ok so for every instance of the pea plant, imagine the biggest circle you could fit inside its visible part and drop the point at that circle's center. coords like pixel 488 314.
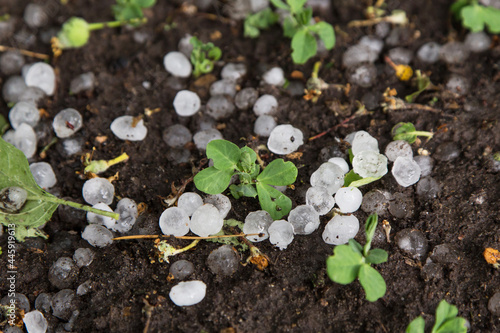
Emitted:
pixel 446 321
pixel 351 261
pixel 131 9
pixel 203 56
pixel 475 16
pixel 230 160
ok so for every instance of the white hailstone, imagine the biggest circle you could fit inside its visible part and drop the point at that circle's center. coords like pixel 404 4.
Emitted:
pixel 13 88
pixel 363 75
pixel 285 139
pixel 83 257
pixel 233 72
pixel 206 221
pixel 24 112
pixel 266 104
pixel 188 293
pixel 127 209
pixel 348 199
pixel 83 82
pixel 363 141
pixel 246 98
pixel 41 75
pixel 72 146
pixel 219 107
pixel 369 164
pixel 304 219
pixel 426 163
pixel 44 174
pixel 223 87
pixel 189 202
pixel 97 235
pixel 11 62
pixel 67 122
pixel 275 76
pixel 406 171
pixel 350 137
pixel 264 125
pixel 93 218
pixel 373 43
pixel 25 140
pixel 185 45
pixel 339 161
pixel 429 52
pixel 221 202
pixel 329 176
pixel 400 55
pixel 125 129
pixel 13 198
pixel 202 138
pixel 281 234
pixel 174 221
pixel 97 190
pixel 35 321
pixel 340 229
pixel 358 54
pixel 458 84
pixel 454 53
pixel 186 103
pixel 9 136
pixel 35 16
pixel 176 136
pixel 398 148
pixel 477 41
pixel 319 198
pixel 257 222
pixel 177 64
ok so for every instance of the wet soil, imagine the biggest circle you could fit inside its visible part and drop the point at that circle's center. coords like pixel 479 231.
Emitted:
pixel 293 294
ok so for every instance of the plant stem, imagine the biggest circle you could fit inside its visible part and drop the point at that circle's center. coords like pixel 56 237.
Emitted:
pixel 115 24
pixel 181 237
pixel 116 160
pixel 27 53
pixel 422 133
pixel 57 200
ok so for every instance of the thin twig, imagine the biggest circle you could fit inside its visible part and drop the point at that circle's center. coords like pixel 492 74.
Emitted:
pixel 27 53
pixel 182 237
pixel 342 124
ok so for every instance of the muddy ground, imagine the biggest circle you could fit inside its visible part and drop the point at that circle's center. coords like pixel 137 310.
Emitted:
pixel 293 294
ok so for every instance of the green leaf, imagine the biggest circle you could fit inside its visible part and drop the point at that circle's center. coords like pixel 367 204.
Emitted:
pixel 212 180
pixel 455 325
pixel 247 159
pixel 225 154
pixel 304 46
pixel 243 190
pixel 492 19
pixel 280 4
pixel 370 227
pixel 290 28
pixel 373 283
pixel 260 20
pixel 127 12
pixel 473 17
pixel 326 33
pixel 417 325
pixel 423 82
pixel 4 125
pixel 456 8
pixel 355 246
pixel 273 201
pixel 403 131
pixel 350 177
pixel 278 173
pixel 364 181
pixel 343 267
pixel 295 5
pixel 444 312
pixel 376 256
pixel 215 53
pixel 145 3
pixel 304 17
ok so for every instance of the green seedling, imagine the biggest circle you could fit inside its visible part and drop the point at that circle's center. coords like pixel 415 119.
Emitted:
pixel 423 83
pixel 352 179
pixel 351 261
pixel 230 160
pixel 446 321
pixel 407 132
pixel 203 56
pixel 259 21
pixel 40 205
pixel 475 16
pixel 131 9
pixel 4 125
pixel 299 27
pixel 100 166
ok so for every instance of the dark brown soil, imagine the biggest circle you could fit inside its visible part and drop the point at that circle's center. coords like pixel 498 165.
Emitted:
pixel 293 294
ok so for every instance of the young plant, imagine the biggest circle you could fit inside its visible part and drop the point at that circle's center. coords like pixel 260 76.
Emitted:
pixel 446 321
pixel 259 21
pixel 131 9
pixel 351 261
pixel 475 16
pixel 299 27
pixel 39 205
pixel 230 160
pixel 203 56
pixel 407 132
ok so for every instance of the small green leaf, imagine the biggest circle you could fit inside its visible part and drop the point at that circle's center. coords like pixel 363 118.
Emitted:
pixel 325 32
pixel 273 201
pixel 290 28
pixel 373 283
pixel 304 17
pixel 376 256
pixel 364 181
pixel 280 4
pixel 127 12
pixel 457 6
pixel 350 177
pixel 260 20
pixel 473 17
pixel 243 190
pixel 370 227
pixel 278 173
pixel 145 3
pixel 4 125
pixel 295 5
pixel 304 46
pixel 403 131
pixel 212 180
pixel 343 267
pixel 225 154
pixel 455 325
pixel 355 246
pixel 492 19
pixel 444 312
pixel 215 53
pixel 423 82
pixel 417 325
pixel 247 159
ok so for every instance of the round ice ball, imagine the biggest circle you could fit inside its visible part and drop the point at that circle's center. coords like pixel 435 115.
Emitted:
pixel 329 176
pixel 363 141
pixel 257 222
pixel 233 72
pixel 275 76
pixel 369 163
pixel 221 202
pixel 25 140
pixel 127 209
pixel 304 219
pixel 174 221
pixel 266 104
pixel 223 261
pixel 281 233
pixel 319 198
pixel 206 221
pixel 429 52
pixel 127 128
pixel 188 293
pixel 177 135
pixel 97 190
pixel 35 322
pixel 181 269
pixel 349 199
pixel 41 75
pixel 339 161
pixel 406 171
pixel 340 229
pixel 24 112
pixel 177 64
pixel 285 139
pixel 44 174
pixel 202 138
pixel 67 122
pixel 398 148
pixel 264 125
pixel 186 103
pixel 97 235
pixel 189 202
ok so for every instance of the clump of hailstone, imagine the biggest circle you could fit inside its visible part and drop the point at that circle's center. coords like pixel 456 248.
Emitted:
pixel 348 199
pixel 221 202
pixel 174 221
pixel 177 64
pixel 24 112
pixel 97 235
pixel 233 72
pixel 189 202
pixel 340 229
pixel 24 139
pixel 454 53
pixel 186 103
pixel 339 161
pixel 329 176
pixel 275 76
pixel 83 257
pixel 477 41
pixel 281 233
pixel 223 261
pixel 257 222
pixel 206 221
pixel 67 122
pixel 285 139
pixel 264 125
pixel 246 98
pixel 188 293
pixel 44 174
pixel 429 52
pixel 176 136
pixel 128 128
pixel 219 107
pixel 363 141
pixel 266 104
pixel 181 269
pixel 398 148
pixel 35 322
pixel 81 83
pixel 319 198
pixel 127 209
pixel 406 171
pixel 369 163
pixel 41 75
pixel 304 219
pixel 12 199
pixel 363 75
pixel 94 218
pixel 97 190
pixel 202 138
pixel 223 87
